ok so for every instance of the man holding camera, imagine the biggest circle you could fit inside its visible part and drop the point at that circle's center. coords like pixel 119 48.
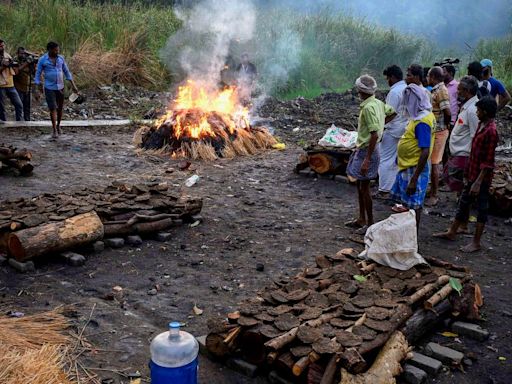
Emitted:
pixel 55 69
pixel 23 79
pixel 7 71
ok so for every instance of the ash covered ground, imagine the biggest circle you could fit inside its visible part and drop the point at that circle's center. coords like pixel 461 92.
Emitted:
pixel 256 210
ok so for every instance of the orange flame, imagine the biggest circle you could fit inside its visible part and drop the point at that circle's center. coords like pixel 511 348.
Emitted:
pixel 195 99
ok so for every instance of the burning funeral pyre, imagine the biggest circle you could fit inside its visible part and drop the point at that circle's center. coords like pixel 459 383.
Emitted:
pixel 205 124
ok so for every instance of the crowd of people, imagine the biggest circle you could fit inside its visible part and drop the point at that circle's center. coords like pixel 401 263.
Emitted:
pixel 402 142
pixel 47 73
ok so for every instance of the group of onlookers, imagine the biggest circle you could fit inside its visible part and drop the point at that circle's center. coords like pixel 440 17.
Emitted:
pixel 402 142
pixel 17 74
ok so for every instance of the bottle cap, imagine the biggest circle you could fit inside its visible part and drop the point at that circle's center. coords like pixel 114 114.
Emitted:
pixel 174 325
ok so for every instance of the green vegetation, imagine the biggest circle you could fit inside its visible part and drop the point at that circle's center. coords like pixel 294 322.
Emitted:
pixel 104 27
pixel 336 49
pixel 296 53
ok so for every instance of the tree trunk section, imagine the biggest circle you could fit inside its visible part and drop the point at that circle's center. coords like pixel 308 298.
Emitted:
pixel 423 320
pixel 55 237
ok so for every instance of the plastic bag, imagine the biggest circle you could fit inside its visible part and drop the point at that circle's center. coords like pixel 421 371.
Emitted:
pixel 393 242
pixel 338 137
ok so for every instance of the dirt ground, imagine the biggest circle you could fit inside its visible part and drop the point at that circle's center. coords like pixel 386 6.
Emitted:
pixel 256 210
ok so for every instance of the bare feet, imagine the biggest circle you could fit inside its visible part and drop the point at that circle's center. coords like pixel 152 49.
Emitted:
pixel 445 235
pixel 470 248
pixel 432 201
pixel 59 132
pixel 381 195
pixel 356 223
pixel 463 231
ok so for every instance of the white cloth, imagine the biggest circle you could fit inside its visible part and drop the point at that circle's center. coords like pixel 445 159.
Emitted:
pixel 388 168
pixel 396 127
pixel 393 242
pixel 368 89
pixel 464 129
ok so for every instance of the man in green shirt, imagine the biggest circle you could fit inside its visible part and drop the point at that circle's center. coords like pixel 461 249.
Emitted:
pixel 364 162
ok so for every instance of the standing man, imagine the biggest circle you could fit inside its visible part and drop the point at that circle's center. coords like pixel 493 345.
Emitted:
pixel 441 111
pixel 479 175
pixel 392 132
pixel 55 69
pixel 364 162
pixel 7 72
pixel 498 90
pixel 23 80
pixel 462 133
pixel 247 74
pixel 414 147
pixel 451 86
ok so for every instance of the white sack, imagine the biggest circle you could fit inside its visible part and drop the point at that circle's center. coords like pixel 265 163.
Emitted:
pixel 339 138
pixel 393 242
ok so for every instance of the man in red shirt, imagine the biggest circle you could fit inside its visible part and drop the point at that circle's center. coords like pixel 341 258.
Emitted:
pixel 478 175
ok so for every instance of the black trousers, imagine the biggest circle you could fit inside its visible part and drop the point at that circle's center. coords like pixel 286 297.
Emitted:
pixel 25 100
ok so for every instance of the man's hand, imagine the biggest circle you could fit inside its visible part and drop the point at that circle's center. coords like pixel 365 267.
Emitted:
pixel 365 166
pixel 475 188
pixel 411 187
pixel 38 92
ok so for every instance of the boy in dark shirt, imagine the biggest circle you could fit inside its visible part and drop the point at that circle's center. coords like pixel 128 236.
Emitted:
pixel 479 174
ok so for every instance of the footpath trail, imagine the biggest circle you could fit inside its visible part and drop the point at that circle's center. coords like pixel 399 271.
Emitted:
pixel 256 210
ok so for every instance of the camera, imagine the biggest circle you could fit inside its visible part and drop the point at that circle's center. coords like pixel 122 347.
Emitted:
pixel 9 63
pixel 447 61
pixel 29 58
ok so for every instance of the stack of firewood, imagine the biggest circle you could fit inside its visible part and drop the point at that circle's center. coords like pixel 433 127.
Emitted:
pixel 90 213
pixel 501 189
pixel 19 161
pixel 334 314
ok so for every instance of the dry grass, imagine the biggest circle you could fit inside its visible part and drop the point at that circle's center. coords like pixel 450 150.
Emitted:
pixel 35 366
pixel 38 349
pixel 130 62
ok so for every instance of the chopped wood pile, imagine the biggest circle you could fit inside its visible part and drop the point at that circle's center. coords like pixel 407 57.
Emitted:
pixel 56 222
pixel 324 160
pixel 338 314
pixel 18 161
pixel 501 189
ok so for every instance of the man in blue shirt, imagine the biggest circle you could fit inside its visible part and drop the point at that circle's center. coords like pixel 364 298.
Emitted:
pixel 497 87
pixel 55 69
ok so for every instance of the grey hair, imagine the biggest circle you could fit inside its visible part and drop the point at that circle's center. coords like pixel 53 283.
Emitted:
pixel 470 84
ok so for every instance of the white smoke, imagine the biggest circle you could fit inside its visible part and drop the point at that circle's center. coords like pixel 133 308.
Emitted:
pixel 215 29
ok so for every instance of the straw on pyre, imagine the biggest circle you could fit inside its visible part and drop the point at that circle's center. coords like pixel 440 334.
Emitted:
pixel 205 124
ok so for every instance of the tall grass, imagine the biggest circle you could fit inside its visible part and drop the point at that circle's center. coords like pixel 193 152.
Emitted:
pixel 32 23
pixel 335 49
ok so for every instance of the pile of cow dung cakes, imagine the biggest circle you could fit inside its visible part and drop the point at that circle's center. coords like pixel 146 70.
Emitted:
pixel 340 306
pixel 501 189
pixel 123 209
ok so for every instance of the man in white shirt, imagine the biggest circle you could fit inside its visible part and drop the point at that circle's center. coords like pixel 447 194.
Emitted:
pixel 462 133
pixel 388 167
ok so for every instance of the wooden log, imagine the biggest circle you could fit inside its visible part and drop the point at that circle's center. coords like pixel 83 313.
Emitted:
pixel 304 362
pixel 419 294
pixel 279 342
pixel 285 362
pixel 438 296
pixel 352 360
pixel 232 335
pixel 386 366
pixel 55 237
pixel 323 163
pixel 423 320
pixel 116 230
pixel 271 357
pixel 330 371
pixel 23 166
pixel 216 346
pixel 233 317
pixel 444 264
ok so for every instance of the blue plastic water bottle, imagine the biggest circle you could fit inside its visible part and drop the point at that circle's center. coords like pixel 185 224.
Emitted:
pixel 174 357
